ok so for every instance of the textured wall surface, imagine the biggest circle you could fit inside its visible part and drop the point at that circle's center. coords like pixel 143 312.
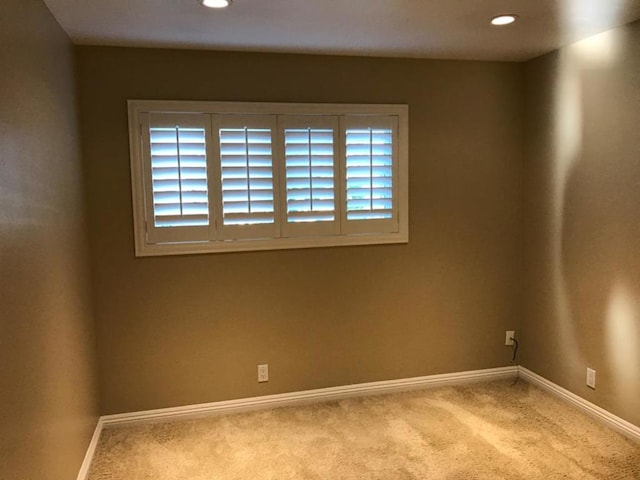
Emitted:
pixel 48 399
pixel 582 211
pixel 188 329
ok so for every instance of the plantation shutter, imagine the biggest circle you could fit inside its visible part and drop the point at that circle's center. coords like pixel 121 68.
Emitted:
pixel 370 174
pixel 177 196
pixel 310 174
pixel 247 178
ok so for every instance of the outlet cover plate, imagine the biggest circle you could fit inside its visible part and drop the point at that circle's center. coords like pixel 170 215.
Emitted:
pixel 591 378
pixel 508 341
pixel 263 373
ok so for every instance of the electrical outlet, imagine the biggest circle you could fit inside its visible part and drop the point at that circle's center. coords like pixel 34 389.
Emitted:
pixel 591 378
pixel 263 373
pixel 508 341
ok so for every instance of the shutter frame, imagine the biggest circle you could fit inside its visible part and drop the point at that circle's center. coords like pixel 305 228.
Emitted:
pixel 175 233
pixel 310 228
pixel 252 125
pixel 371 225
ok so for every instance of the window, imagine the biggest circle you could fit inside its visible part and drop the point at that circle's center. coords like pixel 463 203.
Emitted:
pixel 216 177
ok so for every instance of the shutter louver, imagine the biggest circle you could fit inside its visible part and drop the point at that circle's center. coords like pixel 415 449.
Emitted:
pixel 309 166
pixel 369 173
pixel 247 176
pixel 179 176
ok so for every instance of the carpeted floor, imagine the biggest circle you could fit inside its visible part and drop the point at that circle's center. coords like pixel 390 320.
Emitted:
pixel 483 431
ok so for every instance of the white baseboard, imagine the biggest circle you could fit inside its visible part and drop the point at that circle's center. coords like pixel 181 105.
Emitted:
pixel 307 396
pixel 626 428
pixel 288 399
pixel 83 474
pixel 348 391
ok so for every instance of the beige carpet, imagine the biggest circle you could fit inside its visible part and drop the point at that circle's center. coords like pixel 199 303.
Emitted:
pixel 481 431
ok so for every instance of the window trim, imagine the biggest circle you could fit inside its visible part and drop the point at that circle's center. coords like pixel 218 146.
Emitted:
pixel 136 110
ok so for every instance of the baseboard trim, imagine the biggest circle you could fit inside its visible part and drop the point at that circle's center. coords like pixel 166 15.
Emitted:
pixel 626 428
pixel 83 474
pixel 348 391
pixel 307 396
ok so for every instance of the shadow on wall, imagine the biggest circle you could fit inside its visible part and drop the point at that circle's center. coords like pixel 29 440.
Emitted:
pixel 47 414
pixel 598 214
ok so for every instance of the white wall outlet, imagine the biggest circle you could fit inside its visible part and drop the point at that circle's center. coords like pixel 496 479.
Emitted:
pixel 263 373
pixel 508 341
pixel 591 378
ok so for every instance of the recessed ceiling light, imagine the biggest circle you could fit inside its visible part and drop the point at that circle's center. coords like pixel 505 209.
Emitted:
pixel 501 20
pixel 215 3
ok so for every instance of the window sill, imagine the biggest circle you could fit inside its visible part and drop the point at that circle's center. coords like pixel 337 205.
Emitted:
pixel 162 249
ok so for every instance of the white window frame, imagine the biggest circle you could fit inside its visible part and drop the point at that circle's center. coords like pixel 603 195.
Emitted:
pixel 279 235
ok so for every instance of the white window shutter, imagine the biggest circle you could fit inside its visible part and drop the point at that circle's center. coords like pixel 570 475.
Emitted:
pixel 213 177
pixel 177 193
pixel 248 189
pixel 370 174
pixel 310 174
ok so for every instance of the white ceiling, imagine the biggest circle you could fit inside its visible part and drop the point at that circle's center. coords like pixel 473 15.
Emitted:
pixel 456 29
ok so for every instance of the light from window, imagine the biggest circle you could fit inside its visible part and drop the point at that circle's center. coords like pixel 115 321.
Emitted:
pixel 309 163
pixel 247 176
pixel 179 176
pixel 369 174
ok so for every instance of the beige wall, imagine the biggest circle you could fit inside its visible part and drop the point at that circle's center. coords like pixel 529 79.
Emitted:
pixel 187 329
pixel 582 276
pixel 48 399
pixel 181 330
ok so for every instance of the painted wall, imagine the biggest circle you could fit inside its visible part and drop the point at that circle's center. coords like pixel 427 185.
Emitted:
pixel 582 210
pixel 48 389
pixel 188 329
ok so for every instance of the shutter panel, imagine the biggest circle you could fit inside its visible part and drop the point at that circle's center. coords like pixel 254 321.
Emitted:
pixel 371 174
pixel 178 200
pixel 247 176
pixel 310 174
